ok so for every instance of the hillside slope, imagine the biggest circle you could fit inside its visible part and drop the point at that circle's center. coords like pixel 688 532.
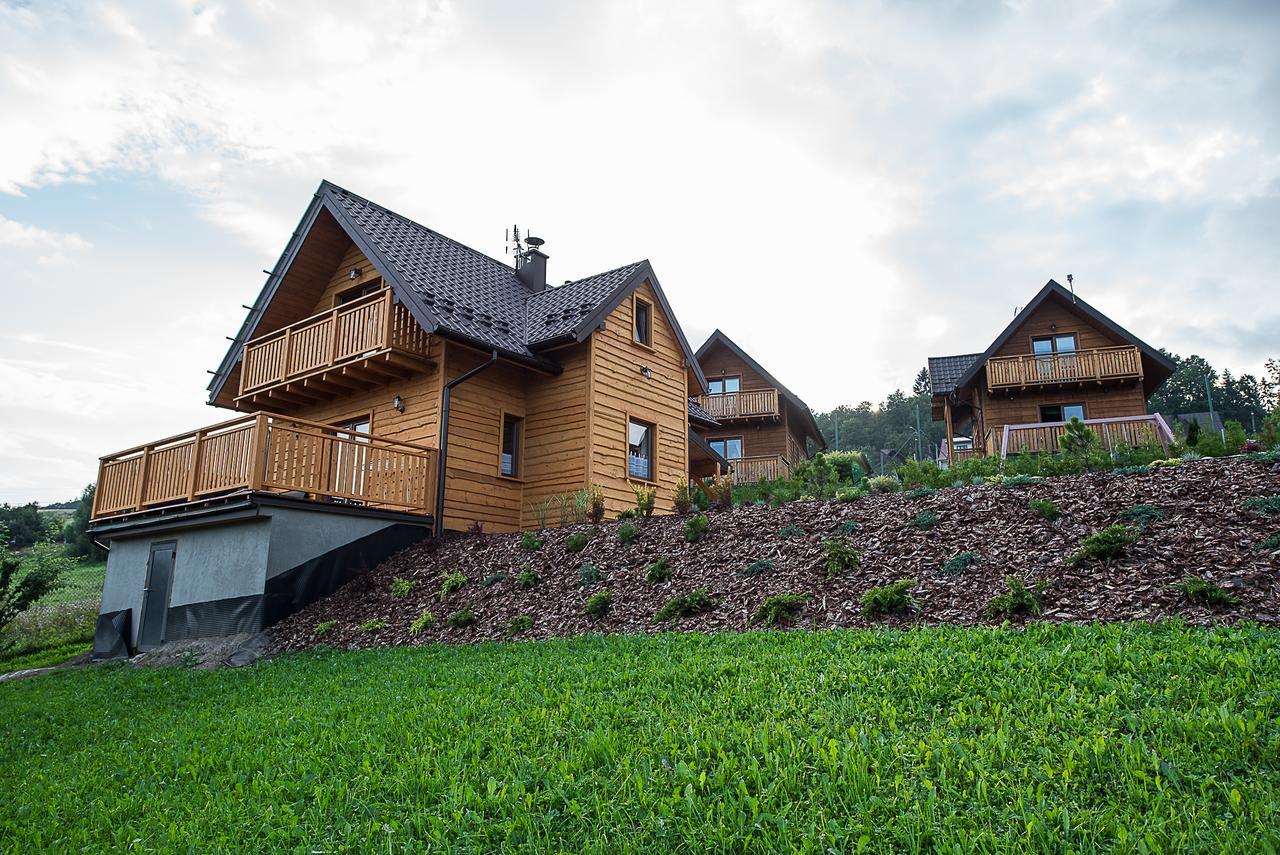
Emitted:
pixel 1206 531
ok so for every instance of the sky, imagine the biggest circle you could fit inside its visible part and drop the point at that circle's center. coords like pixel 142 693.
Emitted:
pixel 844 188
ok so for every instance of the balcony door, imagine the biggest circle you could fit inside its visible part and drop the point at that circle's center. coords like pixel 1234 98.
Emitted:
pixel 1055 356
pixel 729 447
pixel 349 459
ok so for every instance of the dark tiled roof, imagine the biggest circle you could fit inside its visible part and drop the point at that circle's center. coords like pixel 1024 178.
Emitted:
pixel 557 312
pixel 698 414
pixel 945 371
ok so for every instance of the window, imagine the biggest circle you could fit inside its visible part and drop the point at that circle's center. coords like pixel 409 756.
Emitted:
pixel 643 332
pixel 730 448
pixel 1055 356
pixel 1050 344
pixel 640 450
pixel 1061 412
pixel 724 385
pixel 512 433
pixel 357 292
pixel 349 458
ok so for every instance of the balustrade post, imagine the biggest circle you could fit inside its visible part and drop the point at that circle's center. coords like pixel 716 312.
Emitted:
pixel 258 449
pixel 194 475
pixel 143 465
pixel 284 354
pixel 386 321
pixel 333 339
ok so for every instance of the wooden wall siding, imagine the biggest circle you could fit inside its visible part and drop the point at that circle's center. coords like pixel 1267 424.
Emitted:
pixel 1024 408
pixel 556 426
pixel 618 389
pixel 720 359
pixel 341 280
pixel 1053 311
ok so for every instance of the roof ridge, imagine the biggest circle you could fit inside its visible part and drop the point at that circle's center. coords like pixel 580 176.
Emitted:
pixel 598 275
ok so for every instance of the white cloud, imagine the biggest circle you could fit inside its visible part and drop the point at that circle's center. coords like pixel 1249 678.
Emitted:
pixel 50 247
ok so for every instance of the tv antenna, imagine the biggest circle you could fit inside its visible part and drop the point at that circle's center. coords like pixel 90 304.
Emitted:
pixel 515 245
pixel 1071 284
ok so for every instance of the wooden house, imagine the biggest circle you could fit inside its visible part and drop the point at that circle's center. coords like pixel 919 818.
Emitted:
pixel 747 417
pixel 389 374
pixel 1059 359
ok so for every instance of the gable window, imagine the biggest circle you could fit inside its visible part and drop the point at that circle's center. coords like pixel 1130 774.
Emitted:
pixel 724 385
pixel 353 294
pixel 643 327
pixel 1055 356
pixel 730 447
pixel 1061 412
pixel 512 434
pixel 640 462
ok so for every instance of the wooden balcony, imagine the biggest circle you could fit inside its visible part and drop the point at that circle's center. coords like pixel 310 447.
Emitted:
pixel 741 405
pixel 1114 434
pixel 359 345
pixel 272 454
pixel 749 470
pixel 1098 365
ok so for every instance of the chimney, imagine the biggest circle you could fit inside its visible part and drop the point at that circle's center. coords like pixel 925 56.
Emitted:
pixel 532 269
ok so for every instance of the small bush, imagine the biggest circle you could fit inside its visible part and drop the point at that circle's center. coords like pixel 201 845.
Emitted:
pixel 400 587
pixel 519 624
pixel 374 625
pixel 422 622
pixel 494 578
pixel 845 528
pixel 1200 590
pixel 780 609
pixel 1108 543
pixel 889 599
pixel 476 528
pixel 576 542
pixel 884 484
pixel 1263 504
pixel 960 562
pixel 849 494
pixel 628 533
pixel 626 514
pixel 1272 543
pixel 921 492
pixel 1142 515
pixel 695 528
pixel 646 497
pixel 683 499
pixel 1018 598
pixel 1131 470
pixel 658 571
pixel 461 618
pixel 685 606
pixel 451 582
pixel 323 628
pixel 526 578
pixel 925 520
pixel 788 531
pixel 720 493
pixel 840 557
pixel 597 605
pixel 530 542
pixel 1012 481
pixel 590 574
pixel 1045 508
pixel 595 504
pixel 755 568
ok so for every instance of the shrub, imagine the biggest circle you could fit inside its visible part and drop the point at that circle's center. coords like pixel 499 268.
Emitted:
pixel 1108 543
pixel 845 528
pixel 519 624
pixel 1017 598
pixel 960 562
pixel 595 504
pixel 720 492
pixel 695 528
pixel 840 557
pixel 1077 439
pixel 884 484
pixel 451 582
pixel 850 494
pixel 400 587
pixel 684 606
pixel 646 497
pixel 461 618
pixel 626 514
pixel 789 531
pixel 1011 481
pixel 21 587
pixel 1250 446
pixel 628 533
pixel 526 578
pixel 1235 435
pixel 530 542
pixel 476 528
pixel 780 609
pixel 374 625
pixel 1131 470
pixel 422 622
pixel 1142 515
pixel 889 599
pixel 1263 504
pixel 922 473
pixel 590 574
pixel 597 605
pixel 576 542
pixel 683 499
pixel 925 520
pixel 494 578
pixel 323 628
pixel 755 568
pixel 658 571
pixel 816 477
pixel 1200 590
pixel 1045 508
pixel 1272 543
pixel 921 492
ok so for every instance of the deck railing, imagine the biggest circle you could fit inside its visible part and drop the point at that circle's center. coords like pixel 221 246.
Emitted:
pixel 1116 433
pixel 267 453
pixel 741 405
pixel 1103 363
pixel 348 332
pixel 749 470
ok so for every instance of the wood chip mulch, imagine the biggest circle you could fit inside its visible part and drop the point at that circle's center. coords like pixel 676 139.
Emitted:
pixel 1206 532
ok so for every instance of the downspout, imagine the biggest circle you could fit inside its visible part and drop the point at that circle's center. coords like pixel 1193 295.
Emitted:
pixel 444 435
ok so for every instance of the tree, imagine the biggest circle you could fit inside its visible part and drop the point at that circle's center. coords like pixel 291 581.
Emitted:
pixel 23 583
pixel 920 388
pixel 25 525
pixel 75 534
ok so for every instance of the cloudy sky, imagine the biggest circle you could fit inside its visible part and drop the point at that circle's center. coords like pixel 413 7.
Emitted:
pixel 844 188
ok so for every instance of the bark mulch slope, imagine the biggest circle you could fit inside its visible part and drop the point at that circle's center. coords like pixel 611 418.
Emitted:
pixel 1206 531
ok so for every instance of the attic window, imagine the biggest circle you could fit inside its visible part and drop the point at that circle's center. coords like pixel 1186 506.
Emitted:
pixel 642 313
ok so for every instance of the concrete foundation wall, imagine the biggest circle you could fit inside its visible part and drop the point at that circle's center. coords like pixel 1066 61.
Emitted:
pixel 297 536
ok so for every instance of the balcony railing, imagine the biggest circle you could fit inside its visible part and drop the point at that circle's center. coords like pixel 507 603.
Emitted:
pixel 749 470
pixel 265 453
pixel 1098 364
pixel 352 334
pixel 741 405
pixel 1113 434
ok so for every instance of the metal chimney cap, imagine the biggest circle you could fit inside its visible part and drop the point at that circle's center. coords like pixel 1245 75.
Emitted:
pixel 534 242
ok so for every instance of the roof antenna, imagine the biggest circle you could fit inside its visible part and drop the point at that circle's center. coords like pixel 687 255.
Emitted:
pixel 514 245
pixel 1071 284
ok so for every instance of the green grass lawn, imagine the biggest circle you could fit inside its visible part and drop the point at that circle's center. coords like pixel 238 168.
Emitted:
pixel 1058 738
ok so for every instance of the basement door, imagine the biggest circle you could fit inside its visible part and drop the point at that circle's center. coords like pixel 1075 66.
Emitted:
pixel 155 595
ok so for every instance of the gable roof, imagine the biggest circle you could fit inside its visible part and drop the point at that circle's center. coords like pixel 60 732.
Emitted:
pixel 811 424
pixel 944 371
pixel 456 291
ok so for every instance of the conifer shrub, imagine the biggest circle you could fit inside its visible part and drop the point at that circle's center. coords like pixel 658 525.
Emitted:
pixel 450 583
pixel 924 520
pixel 400 587
pixel 494 578
pixel 1011 481
pixel 519 624
pixel 845 527
pixel 323 628
pixel 422 622
pixel 597 605
pixel 683 498
pixel 921 492
pixel 1017 598
pixel 687 605
pixel 1108 543
pixel 790 531
pixel 658 571
pixel 839 557
pixel 1272 543
pixel 373 625
pixel 889 599
pixel 1142 515
pixel 960 562
pixel 1200 590
pixel 695 528
pixel 576 542
pixel 460 618
pixel 530 542
pixel 883 484
pixel 779 609
pixel 526 578
pixel 628 533
pixel 590 574
pixel 1263 504
pixel 1045 508
pixel 755 568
